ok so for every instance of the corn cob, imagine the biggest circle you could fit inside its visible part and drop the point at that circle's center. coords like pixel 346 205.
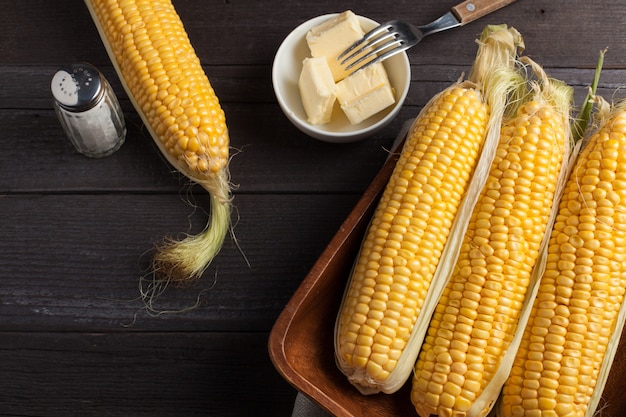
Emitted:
pixel 570 340
pixel 377 329
pixel 162 76
pixel 476 318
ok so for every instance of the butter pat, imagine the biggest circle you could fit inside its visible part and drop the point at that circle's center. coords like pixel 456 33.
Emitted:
pixel 365 93
pixel 332 37
pixel 317 90
pixel 323 81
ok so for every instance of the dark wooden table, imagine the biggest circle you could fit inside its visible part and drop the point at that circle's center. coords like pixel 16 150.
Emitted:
pixel 75 232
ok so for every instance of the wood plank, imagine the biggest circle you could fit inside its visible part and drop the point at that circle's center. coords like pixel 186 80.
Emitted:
pixel 259 133
pixel 75 261
pixel 561 33
pixel 426 81
pixel 49 163
pixel 140 374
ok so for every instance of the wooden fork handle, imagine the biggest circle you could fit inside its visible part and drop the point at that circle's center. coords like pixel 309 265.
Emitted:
pixel 470 10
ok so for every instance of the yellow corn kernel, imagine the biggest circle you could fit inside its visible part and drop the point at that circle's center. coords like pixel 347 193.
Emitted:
pixel 408 233
pixel 164 80
pixel 402 250
pixel 582 289
pixel 158 39
pixel 484 297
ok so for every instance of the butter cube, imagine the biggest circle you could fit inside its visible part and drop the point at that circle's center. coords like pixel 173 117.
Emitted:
pixel 332 37
pixel 317 90
pixel 365 93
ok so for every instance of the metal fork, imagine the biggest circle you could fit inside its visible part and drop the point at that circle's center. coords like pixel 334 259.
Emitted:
pixel 395 36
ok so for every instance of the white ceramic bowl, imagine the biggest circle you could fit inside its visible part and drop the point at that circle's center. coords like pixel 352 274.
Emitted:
pixel 286 71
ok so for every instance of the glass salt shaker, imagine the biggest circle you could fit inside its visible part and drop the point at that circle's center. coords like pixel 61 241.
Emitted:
pixel 88 110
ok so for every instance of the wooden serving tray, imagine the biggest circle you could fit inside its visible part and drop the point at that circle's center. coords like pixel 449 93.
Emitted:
pixel 301 342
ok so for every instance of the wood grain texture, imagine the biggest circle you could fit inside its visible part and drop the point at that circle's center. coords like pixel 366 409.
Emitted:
pixel 75 233
pixel 139 374
pixel 74 261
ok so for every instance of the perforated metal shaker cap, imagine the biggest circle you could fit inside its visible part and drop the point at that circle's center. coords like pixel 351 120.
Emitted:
pixel 77 87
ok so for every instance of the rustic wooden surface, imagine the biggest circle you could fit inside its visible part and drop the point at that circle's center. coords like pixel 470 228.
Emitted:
pixel 75 233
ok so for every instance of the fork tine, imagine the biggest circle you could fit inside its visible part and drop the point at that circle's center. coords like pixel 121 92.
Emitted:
pixel 372 33
pixel 390 37
pixel 396 43
pixel 379 58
